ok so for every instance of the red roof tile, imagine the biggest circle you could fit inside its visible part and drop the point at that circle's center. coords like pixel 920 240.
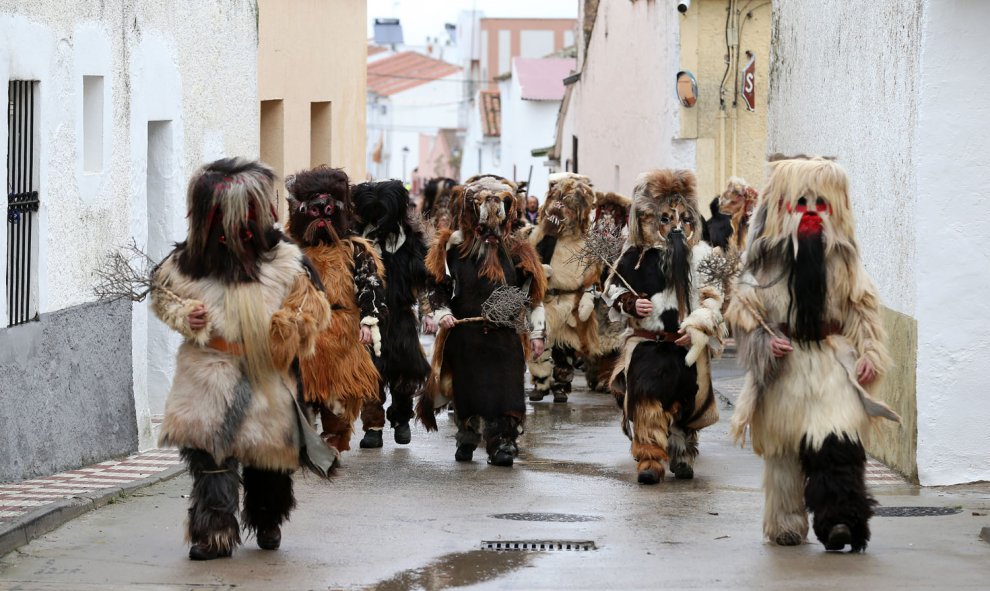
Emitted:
pixel 490 103
pixel 542 79
pixel 406 70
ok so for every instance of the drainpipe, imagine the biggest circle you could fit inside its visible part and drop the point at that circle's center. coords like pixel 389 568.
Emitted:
pixel 721 148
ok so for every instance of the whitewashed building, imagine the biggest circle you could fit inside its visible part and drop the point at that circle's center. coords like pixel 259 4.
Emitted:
pixel 531 98
pixel 903 106
pixel 111 106
pixel 408 94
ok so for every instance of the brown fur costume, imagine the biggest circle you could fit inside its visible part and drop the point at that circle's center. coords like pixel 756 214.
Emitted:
pixel 559 239
pixel 807 411
pixel 738 201
pixel 342 376
pixel 477 365
pixel 666 389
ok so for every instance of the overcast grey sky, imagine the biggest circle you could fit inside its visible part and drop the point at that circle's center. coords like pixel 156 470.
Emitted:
pixel 425 18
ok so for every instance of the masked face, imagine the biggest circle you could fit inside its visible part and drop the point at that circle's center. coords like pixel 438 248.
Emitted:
pixel 312 221
pixel 491 208
pixel 673 219
pixel 564 210
pixel 611 214
pixel 810 211
pixel 731 202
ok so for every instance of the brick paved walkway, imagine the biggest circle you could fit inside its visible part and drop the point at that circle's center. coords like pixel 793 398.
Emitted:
pixel 28 495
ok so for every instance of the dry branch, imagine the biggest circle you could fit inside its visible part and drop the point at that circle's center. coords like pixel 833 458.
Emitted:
pixel 127 272
pixel 506 307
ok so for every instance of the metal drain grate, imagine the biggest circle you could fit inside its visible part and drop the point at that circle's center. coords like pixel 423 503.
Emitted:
pixel 538 545
pixel 557 517
pixel 915 511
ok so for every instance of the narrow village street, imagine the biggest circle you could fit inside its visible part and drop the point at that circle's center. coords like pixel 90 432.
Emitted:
pixel 412 518
pixel 244 235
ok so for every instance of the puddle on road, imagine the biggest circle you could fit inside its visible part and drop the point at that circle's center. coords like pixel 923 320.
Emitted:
pixel 456 570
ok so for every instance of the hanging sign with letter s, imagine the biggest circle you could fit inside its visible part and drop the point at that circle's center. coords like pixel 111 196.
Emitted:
pixel 749 83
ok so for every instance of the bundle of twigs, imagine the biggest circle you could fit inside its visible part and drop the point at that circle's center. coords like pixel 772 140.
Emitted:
pixel 603 244
pixel 506 307
pixel 719 268
pixel 128 273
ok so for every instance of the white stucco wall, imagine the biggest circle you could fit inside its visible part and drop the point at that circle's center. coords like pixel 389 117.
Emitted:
pixel 952 141
pixel 198 72
pixel 844 83
pixel 627 116
pixel 422 109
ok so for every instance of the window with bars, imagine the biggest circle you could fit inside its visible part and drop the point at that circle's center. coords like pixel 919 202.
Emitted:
pixel 22 203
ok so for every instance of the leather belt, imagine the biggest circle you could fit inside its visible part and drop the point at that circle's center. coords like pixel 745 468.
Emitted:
pixel 656 335
pixel 222 344
pixel 556 292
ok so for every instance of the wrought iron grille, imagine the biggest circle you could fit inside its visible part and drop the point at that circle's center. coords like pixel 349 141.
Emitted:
pixel 22 202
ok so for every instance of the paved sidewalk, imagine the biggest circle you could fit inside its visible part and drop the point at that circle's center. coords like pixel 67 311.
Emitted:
pixel 32 508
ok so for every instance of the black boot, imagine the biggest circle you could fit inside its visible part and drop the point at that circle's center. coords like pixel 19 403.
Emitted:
pixel 270 538
pixel 503 456
pixel 464 453
pixel 268 500
pixel 838 537
pixel 372 439
pixel 682 471
pixel 402 433
pixel 649 476
pixel 203 551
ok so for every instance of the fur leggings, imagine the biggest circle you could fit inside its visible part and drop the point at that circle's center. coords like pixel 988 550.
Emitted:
pixel 214 500
pixel 829 482
pixel 373 415
pixel 657 439
pixel 554 370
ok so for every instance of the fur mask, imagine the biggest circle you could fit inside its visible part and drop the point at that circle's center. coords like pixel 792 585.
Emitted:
pixel 737 197
pixel 664 206
pixel 231 215
pixel 805 195
pixel 487 208
pixel 612 209
pixel 383 208
pixel 319 206
pixel 567 206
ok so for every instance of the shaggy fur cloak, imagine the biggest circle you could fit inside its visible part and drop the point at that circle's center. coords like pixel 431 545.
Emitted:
pixel 215 404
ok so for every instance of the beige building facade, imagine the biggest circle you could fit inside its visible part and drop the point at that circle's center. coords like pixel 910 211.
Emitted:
pixel 312 85
pixel 647 126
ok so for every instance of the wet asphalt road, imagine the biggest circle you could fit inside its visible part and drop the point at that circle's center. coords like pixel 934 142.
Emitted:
pixel 412 518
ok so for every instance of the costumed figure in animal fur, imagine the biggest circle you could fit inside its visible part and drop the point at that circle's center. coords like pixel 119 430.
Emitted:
pixel 807 320
pixel 728 226
pixel 477 364
pixel 249 307
pixel 436 202
pixel 674 325
pixel 572 329
pixel 382 209
pixel 738 201
pixel 609 229
pixel 342 376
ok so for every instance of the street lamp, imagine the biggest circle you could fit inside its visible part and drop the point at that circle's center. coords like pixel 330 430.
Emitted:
pixel 405 151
